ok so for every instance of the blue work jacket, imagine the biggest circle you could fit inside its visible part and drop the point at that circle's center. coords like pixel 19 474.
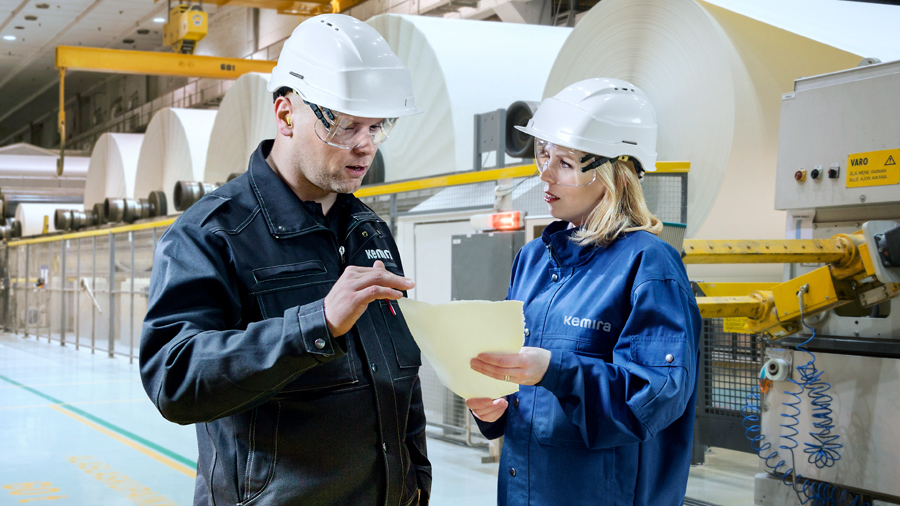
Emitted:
pixel 611 423
pixel 235 341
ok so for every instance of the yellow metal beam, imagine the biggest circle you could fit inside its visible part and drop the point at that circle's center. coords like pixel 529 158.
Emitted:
pixel 482 176
pixel 153 63
pixel 698 251
pixel 732 289
pixel 671 168
pixel 449 180
pixel 730 307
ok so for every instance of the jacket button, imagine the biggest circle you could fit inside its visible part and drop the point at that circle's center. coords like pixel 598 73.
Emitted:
pixel 554 278
pixel 527 332
pixel 384 447
pixel 320 343
pixel 670 358
pixel 515 402
pixel 512 471
pixel 374 367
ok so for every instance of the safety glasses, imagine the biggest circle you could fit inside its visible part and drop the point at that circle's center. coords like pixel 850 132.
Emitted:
pixel 567 166
pixel 347 132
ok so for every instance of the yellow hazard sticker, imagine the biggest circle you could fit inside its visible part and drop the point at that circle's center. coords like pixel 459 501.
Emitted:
pixel 737 325
pixel 873 168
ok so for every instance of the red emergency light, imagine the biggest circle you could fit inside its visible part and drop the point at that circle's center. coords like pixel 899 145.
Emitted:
pixel 511 220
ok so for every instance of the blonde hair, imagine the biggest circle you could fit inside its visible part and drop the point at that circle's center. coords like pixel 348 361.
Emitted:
pixel 622 208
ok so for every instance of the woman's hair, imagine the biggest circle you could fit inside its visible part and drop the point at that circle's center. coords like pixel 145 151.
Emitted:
pixel 622 208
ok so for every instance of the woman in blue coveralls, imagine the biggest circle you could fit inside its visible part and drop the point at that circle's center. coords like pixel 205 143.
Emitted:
pixel 608 374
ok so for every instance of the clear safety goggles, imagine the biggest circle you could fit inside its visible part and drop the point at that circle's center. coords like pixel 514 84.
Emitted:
pixel 346 132
pixel 567 166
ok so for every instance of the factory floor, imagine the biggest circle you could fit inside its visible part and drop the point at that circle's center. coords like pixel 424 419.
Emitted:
pixel 77 428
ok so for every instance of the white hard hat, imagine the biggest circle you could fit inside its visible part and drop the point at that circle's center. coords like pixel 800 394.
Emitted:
pixel 602 116
pixel 338 62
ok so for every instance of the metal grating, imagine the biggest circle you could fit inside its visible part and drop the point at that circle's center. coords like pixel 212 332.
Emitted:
pixel 731 367
pixel 666 196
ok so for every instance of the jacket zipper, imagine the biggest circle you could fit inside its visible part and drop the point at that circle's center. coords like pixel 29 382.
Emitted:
pixel 552 255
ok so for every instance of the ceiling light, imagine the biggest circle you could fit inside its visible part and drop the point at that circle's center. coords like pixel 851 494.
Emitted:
pixel 20 28
pixel 9 37
pixel 143 31
pixel 128 41
pixel 30 17
pixel 43 6
pixel 159 20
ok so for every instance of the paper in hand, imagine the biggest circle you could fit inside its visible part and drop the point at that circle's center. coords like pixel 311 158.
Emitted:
pixel 450 335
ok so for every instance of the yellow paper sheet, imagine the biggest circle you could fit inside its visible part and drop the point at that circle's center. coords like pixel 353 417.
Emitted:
pixel 452 334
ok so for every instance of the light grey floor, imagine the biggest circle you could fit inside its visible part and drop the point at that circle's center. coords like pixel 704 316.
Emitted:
pixel 77 428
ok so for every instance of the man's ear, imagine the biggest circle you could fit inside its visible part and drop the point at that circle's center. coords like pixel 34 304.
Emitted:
pixel 284 122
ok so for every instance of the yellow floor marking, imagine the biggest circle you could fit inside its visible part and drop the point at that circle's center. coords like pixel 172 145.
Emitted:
pixel 140 399
pixel 181 468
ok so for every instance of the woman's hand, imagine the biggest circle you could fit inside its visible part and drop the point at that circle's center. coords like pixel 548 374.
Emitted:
pixel 487 409
pixel 525 368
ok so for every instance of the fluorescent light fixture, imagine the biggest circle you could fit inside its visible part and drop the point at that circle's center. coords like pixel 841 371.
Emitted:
pixel 9 37
pixel 159 20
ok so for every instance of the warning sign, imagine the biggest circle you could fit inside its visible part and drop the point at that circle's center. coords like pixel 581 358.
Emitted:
pixel 873 168
pixel 737 325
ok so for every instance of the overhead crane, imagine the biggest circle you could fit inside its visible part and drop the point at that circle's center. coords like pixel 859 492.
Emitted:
pixel 146 63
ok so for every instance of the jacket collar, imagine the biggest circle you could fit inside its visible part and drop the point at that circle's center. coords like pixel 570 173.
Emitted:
pixel 285 214
pixel 563 251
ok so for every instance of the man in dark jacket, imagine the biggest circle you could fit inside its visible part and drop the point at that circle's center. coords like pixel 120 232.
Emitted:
pixel 272 323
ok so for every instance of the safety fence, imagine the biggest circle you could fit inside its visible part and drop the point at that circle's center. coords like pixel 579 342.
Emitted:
pixel 89 289
pixel 729 368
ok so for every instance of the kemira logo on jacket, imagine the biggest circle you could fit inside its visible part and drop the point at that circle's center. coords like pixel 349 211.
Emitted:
pixel 587 323
pixel 379 254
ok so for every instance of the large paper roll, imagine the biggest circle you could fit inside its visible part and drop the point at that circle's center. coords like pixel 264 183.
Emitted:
pixel 37 166
pixel 715 78
pixel 113 168
pixel 246 117
pixel 459 68
pixel 31 216
pixel 174 149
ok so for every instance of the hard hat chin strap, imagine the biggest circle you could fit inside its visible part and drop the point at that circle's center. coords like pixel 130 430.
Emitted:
pixel 600 160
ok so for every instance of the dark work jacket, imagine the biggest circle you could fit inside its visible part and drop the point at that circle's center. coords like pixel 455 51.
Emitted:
pixel 235 341
pixel 612 420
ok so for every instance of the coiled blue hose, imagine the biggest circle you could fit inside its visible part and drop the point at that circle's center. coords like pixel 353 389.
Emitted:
pixel 823 453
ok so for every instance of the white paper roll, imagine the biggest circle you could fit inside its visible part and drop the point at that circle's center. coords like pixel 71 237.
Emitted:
pixel 246 117
pixel 112 169
pixel 42 166
pixel 459 68
pixel 715 78
pixel 31 216
pixel 24 148
pixel 174 149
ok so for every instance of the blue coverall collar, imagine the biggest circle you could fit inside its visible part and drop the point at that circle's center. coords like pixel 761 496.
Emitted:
pixel 558 240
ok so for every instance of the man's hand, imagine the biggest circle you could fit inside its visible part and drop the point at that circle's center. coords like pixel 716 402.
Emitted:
pixel 486 409
pixel 525 368
pixel 355 289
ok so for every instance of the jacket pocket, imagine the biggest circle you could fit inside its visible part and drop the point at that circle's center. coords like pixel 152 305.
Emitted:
pixel 289 271
pixel 274 301
pixel 409 357
pixel 551 425
pixel 262 451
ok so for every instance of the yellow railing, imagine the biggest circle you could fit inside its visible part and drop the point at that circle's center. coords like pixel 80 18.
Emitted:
pixel 367 191
pixel 485 175
pixel 91 233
